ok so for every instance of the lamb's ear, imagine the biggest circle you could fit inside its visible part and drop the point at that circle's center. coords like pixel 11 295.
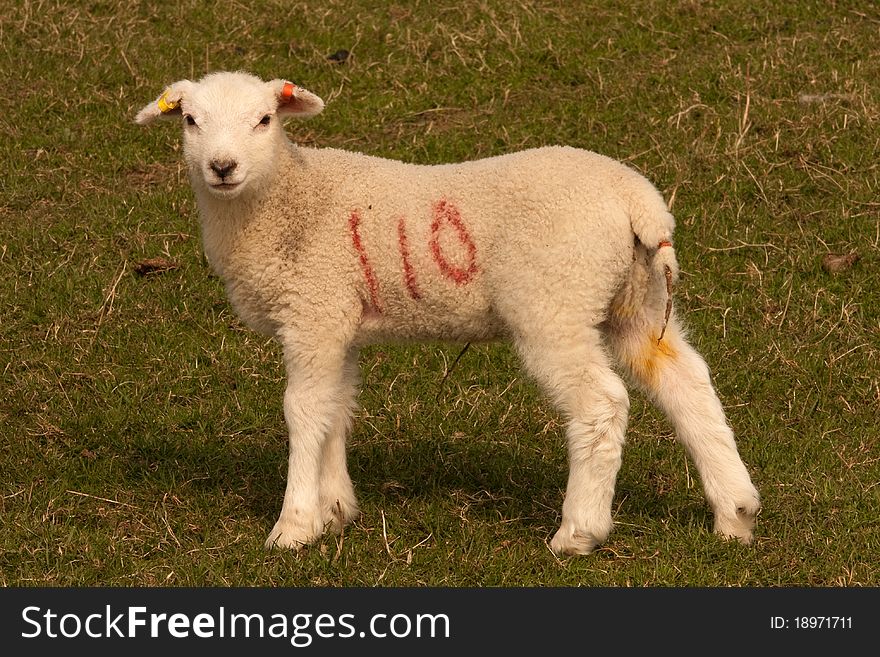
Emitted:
pixel 166 105
pixel 294 100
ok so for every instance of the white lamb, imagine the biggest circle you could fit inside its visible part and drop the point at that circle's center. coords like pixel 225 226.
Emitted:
pixel 564 252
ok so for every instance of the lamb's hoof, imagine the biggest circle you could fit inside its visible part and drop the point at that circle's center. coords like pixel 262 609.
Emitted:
pixel 339 514
pixel 568 541
pixel 292 535
pixel 740 524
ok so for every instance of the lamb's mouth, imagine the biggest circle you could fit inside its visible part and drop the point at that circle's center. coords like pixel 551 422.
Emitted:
pixel 225 186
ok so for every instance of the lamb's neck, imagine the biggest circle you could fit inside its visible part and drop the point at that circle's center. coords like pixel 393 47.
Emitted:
pixel 223 224
pixel 280 203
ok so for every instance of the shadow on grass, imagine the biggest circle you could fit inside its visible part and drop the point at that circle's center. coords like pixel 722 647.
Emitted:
pixel 518 480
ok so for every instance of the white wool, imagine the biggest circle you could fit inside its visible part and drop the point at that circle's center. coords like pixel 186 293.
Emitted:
pixel 563 251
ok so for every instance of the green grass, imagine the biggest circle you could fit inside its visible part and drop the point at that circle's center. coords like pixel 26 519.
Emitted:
pixel 141 434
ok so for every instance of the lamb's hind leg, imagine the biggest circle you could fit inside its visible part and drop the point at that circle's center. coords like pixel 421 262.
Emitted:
pixel 677 379
pixel 574 371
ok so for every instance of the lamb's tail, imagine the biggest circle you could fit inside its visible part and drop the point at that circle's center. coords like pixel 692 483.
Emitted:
pixel 663 259
pixel 653 225
pixel 648 289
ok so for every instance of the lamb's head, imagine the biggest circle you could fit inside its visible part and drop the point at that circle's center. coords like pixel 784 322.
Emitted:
pixel 232 127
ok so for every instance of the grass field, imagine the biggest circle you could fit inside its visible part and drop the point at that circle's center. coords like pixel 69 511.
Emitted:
pixel 141 435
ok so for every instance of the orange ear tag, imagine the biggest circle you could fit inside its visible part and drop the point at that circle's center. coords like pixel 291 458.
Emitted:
pixel 287 91
pixel 166 105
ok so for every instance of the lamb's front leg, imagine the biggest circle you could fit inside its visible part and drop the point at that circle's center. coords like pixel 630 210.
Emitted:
pixel 313 399
pixel 337 493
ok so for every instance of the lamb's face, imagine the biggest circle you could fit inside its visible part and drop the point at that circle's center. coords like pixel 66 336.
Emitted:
pixel 232 130
pixel 231 134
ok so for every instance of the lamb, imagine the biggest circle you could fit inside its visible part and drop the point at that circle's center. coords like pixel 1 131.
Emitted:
pixel 564 252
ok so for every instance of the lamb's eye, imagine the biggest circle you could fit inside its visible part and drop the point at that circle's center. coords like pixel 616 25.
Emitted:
pixel 189 119
pixel 266 120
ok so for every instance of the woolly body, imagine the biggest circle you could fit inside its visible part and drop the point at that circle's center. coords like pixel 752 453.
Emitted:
pixel 300 237
pixel 556 249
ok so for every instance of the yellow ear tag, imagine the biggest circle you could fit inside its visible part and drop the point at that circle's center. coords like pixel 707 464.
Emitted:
pixel 166 105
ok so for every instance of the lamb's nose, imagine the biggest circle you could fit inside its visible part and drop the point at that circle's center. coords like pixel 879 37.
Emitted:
pixel 223 167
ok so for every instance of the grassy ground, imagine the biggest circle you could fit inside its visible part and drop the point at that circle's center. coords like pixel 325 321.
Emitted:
pixel 141 434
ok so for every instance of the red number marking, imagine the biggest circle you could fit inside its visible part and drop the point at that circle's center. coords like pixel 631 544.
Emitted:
pixel 445 211
pixel 369 275
pixel 409 274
